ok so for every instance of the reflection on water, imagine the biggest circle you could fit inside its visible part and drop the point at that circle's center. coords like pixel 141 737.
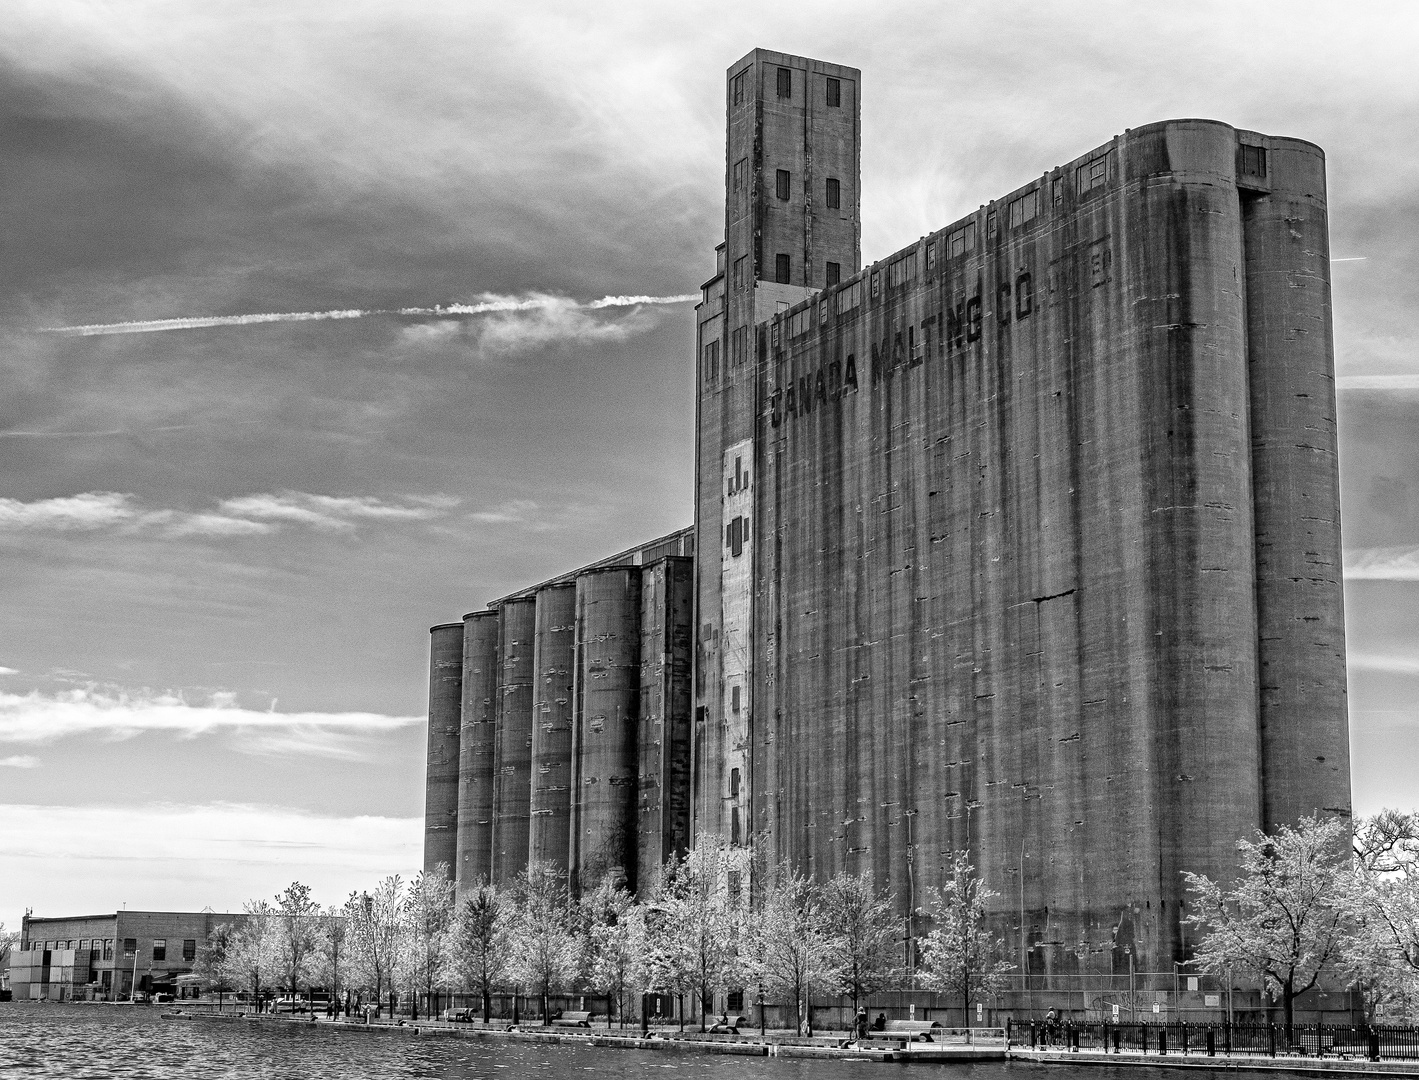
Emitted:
pixel 91 1041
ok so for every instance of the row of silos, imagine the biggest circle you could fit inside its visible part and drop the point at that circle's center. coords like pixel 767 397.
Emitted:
pixel 568 718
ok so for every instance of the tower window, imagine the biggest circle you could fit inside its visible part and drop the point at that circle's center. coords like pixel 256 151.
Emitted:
pixel 739 272
pixel 834 274
pixel 833 195
pixel 785 82
pixel 1254 160
pixel 782 180
pixel 783 268
pixel 741 174
pixel 835 94
pixel 738 88
pixel 1024 296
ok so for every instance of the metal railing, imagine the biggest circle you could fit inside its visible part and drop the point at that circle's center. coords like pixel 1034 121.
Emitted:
pixel 1225 1039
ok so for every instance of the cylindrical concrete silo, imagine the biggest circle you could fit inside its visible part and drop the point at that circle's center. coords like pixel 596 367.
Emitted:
pixel 477 744
pixel 607 692
pixel 1300 604
pixel 554 654
pixel 441 775
pixel 512 786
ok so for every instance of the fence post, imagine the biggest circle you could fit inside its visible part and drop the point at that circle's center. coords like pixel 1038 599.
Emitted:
pixel 1374 1041
pixel 1143 1038
pixel 1227 1036
pixel 1184 1036
pixel 1117 1040
pixel 1271 1034
pixel 1162 1040
pixel 1033 1044
pixel 1211 1043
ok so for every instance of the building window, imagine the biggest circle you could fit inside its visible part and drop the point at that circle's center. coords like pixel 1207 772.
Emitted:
pixel 835 94
pixel 712 360
pixel 931 258
pixel 739 346
pixel 1056 187
pixel 1025 208
pixel 1254 161
pixel 83 944
pixel 108 948
pixel 738 88
pixel 990 227
pixel 130 947
pixel 783 268
pixel 1002 302
pixel 734 707
pixel 160 948
pixel 734 1000
pixel 785 83
pixel 781 183
pixel 876 284
pixel 189 949
pixel 834 273
pixel 739 272
pixel 1024 296
pixel 833 195
pixel 741 174
pixel 737 532
pixel 734 838
pixel 1093 174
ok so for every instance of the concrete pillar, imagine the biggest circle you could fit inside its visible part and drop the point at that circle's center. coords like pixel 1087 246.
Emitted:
pixel 512 790
pixel 554 654
pixel 666 656
pixel 477 745
pixel 607 694
pixel 441 775
pixel 1299 594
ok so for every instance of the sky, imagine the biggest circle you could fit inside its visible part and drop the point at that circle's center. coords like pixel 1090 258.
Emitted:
pixel 222 540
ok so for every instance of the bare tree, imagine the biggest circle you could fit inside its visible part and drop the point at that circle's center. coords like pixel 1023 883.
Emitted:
pixel 480 942
pixel 866 926
pixel 1285 920
pixel 1382 955
pixel 295 921
pixel 960 956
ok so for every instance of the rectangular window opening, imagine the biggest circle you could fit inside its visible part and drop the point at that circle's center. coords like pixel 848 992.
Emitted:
pixel 160 948
pixel 833 195
pixel 833 274
pixel 782 180
pixel 783 268
pixel 738 88
pixel 785 82
pixel 835 94
pixel 189 949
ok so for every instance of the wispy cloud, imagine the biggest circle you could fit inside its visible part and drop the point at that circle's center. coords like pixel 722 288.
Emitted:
pixel 247 515
pixel 488 304
pixel 168 856
pixel 1377 382
pixel 9 671
pixel 1384 662
pixel 19 761
pixel 37 718
pixel 1382 564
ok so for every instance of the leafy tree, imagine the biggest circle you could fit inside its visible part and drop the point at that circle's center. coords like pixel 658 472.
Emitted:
pixel 789 946
pixel 253 952
pixel 480 942
pixel 866 927
pixel 1382 955
pixel 429 911
pixel 214 958
pixel 545 951
pixel 615 940
pixel 376 934
pixel 295 920
pixel 695 943
pixel 960 956
pixel 8 939
pixel 1285 920
pixel 332 937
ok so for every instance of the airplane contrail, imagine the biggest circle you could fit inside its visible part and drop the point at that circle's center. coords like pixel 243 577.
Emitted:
pixel 492 304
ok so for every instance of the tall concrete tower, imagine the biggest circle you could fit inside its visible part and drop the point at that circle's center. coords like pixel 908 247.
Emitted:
pixel 792 226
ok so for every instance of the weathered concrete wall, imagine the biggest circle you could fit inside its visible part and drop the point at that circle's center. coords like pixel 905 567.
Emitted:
pixel 1300 603
pixel 1005 553
pixel 477 750
pixel 512 792
pixel 441 767
pixel 607 700
pixel 554 656
pixel 663 741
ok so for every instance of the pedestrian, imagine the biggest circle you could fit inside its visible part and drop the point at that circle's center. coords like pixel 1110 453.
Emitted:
pixel 861 1024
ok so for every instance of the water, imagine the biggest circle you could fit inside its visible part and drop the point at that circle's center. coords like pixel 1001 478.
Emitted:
pixel 79 1042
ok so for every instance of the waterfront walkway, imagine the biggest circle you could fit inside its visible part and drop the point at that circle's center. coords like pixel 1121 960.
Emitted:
pixel 837 1045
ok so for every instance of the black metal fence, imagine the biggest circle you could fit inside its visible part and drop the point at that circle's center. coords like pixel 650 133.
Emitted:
pixel 1225 1039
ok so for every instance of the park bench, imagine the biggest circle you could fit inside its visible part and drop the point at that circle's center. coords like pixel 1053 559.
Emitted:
pixel 572 1018
pixel 729 1026
pixel 907 1030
